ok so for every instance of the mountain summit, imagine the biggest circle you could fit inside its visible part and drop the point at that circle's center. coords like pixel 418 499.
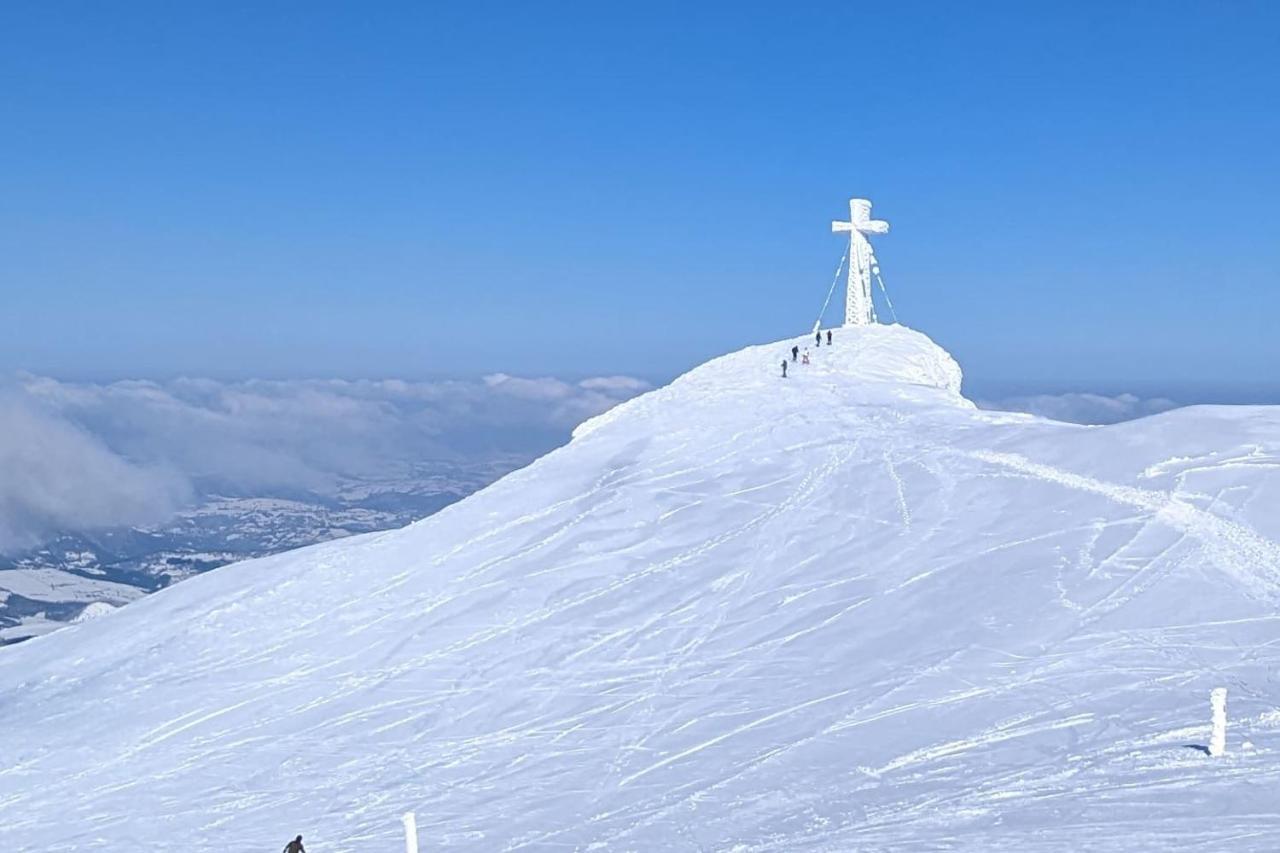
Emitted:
pixel 841 610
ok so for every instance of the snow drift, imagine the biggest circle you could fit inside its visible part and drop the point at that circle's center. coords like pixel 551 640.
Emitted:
pixel 844 610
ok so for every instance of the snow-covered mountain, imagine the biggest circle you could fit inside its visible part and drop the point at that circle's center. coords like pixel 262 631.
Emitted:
pixel 845 610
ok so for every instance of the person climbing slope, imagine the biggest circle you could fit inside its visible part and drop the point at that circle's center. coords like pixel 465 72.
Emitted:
pixel 295 846
pixel 828 337
pixel 805 360
pixel 817 339
pixel 795 353
pixel 784 368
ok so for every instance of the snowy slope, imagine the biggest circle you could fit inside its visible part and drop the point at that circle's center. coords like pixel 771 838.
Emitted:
pixel 841 611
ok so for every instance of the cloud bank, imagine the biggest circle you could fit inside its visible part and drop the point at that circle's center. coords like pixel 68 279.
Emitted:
pixel 77 456
pixel 1083 408
pixel 54 475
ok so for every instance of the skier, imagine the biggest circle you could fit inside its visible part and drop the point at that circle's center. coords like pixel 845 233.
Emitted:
pixel 806 357
pixel 828 337
pixel 795 353
pixel 817 338
pixel 295 846
pixel 784 368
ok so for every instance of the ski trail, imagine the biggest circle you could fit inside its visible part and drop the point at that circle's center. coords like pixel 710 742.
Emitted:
pixel 1242 552
pixel 165 732
pixel 996 734
pixel 767 718
pixel 903 510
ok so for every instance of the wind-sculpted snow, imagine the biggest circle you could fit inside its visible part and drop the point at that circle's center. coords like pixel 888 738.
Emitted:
pixel 843 610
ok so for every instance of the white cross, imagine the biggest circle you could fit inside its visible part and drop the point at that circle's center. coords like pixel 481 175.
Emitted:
pixel 858 309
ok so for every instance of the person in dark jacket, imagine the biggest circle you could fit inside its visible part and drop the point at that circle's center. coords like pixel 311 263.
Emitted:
pixel 817 339
pixel 795 353
pixel 295 846
pixel 784 368
pixel 828 337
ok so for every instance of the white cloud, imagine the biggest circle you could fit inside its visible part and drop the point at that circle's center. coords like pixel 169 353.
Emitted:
pixel 76 456
pixel 56 476
pixel 1082 407
pixel 530 389
pixel 615 384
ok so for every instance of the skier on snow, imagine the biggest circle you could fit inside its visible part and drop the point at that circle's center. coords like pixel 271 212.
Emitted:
pixel 817 338
pixel 828 337
pixel 295 846
pixel 795 353
pixel 784 368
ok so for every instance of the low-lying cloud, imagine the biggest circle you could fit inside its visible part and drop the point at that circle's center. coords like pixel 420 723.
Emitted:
pixel 54 474
pixel 77 456
pixel 1083 407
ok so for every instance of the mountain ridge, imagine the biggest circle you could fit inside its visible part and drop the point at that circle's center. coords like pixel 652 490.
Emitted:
pixel 840 610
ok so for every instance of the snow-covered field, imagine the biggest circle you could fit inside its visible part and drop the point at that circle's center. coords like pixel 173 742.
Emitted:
pixel 55 586
pixel 37 601
pixel 841 611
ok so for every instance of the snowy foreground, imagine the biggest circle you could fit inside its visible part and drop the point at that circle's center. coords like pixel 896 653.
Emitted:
pixel 841 611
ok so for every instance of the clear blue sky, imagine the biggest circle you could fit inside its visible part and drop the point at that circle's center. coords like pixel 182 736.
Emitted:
pixel 1080 192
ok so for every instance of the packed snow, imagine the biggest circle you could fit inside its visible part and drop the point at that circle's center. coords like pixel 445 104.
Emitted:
pixel 845 610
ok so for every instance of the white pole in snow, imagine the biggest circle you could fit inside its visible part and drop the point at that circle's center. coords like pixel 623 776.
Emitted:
pixel 410 833
pixel 1218 740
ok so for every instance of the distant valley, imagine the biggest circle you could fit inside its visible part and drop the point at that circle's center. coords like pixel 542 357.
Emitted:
pixel 77 576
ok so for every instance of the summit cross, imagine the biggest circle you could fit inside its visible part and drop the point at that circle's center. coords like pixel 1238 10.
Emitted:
pixel 858 308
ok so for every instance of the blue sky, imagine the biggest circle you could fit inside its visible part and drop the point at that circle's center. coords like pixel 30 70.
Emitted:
pixel 1082 194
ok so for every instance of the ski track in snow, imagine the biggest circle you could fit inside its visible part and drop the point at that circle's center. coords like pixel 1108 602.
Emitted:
pixel 1252 559
pixel 844 611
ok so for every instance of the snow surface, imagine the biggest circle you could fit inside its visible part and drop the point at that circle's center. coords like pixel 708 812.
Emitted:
pixel 37 601
pixel 55 586
pixel 96 610
pixel 841 611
